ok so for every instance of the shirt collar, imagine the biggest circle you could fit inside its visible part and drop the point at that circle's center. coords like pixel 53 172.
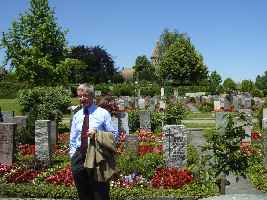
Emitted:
pixel 89 109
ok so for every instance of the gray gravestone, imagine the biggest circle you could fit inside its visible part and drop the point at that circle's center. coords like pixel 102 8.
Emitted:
pixel 221 121
pixel 144 118
pixel 236 103
pixel 174 145
pixel 7 145
pixel 132 143
pixel 8 116
pixel 115 122
pixel 247 103
pixel 123 122
pixel 53 131
pixel 141 103
pixel 121 104
pixel 43 148
pixel 21 122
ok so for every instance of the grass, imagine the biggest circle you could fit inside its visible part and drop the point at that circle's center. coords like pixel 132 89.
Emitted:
pixel 200 115
pixel 12 105
pixel 199 125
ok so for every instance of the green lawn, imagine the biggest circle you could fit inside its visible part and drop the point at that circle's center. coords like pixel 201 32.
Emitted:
pixel 12 105
pixel 200 115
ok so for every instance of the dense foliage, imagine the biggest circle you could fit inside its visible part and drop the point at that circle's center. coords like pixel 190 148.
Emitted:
pixel 35 46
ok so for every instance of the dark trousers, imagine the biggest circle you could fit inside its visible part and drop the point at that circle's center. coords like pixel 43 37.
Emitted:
pixel 87 187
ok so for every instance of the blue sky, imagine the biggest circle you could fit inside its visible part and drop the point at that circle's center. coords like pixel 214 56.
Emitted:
pixel 230 34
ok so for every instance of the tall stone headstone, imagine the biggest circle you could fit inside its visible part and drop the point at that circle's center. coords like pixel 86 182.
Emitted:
pixel 43 146
pixel 115 122
pixel 53 131
pixel 141 103
pixel 162 92
pixel 247 103
pixel 221 121
pixel 123 122
pixel 121 105
pixel 264 126
pixel 144 118
pixel 174 145
pixel 217 106
pixel 132 143
pixel 236 103
pixel 7 144
pixel 21 122
pixel 8 116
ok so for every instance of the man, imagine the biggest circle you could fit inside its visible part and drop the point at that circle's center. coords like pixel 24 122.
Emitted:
pixel 99 120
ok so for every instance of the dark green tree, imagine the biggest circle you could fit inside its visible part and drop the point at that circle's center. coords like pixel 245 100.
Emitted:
pixel 35 45
pixel 99 64
pixel 214 81
pixel 229 85
pixel 143 69
pixel 183 63
pixel 261 82
pixel 247 86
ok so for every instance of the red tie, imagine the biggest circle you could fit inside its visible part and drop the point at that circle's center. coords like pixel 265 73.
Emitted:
pixel 84 137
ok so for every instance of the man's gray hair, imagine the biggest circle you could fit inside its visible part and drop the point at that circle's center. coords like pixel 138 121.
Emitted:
pixel 89 89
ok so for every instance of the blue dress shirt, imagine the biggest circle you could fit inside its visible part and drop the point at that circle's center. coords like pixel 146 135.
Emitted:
pixel 99 119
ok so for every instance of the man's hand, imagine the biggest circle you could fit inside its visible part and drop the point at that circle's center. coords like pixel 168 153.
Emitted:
pixel 91 133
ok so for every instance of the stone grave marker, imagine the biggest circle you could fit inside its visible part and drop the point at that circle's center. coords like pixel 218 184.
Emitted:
pixel 115 122
pixel 174 145
pixel 98 93
pixel 217 106
pixel 123 122
pixel 236 103
pixel 8 116
pixel 7 143
pixel 132 143
pixel 141 103
pixel 53 131
pixel 144 118
pixel 247 103
pixel 121 105
pixel 43 148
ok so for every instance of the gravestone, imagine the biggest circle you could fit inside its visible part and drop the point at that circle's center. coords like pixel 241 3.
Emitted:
pixel 115 122
pixel 162 92
pixel 123 122
pixel 217 106
pixel 236 103
pixel 98 93
pixel 7 143
pixel 141 103
pixel 53 131
pixel 264 126
pixel 43 148
pixel 247 103
pixel 8 116
pixel 221 121
pixel 227 104
pixel 152 105
pixel 121 105
pixel 162 105
pixel 144 118
pixel 21 122
pixel 131 143
pixel 174 145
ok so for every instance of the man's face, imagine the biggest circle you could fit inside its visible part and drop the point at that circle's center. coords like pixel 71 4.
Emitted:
pixel 85 99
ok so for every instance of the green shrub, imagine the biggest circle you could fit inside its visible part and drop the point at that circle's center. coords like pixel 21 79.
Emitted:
pixel 175 113
pixel 149 90
pixel 9 90
pixel 44 103
pixel 123 89
pixel 206 107
pixel 129 163
pixel 134 122
pixel 157 119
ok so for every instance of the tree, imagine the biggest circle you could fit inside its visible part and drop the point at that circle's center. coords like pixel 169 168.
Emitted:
pixel 261 81
pixel 183 63
pixel 247 86
pixel 229 85
pixel 99 64
pixel 143 69
pixel 35 45
pixel 215 81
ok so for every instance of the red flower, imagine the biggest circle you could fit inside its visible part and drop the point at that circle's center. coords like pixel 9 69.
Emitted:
pixel 63 176
pixel 171 178
pixel 26 149
pixel 22 176
pixel 5 169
